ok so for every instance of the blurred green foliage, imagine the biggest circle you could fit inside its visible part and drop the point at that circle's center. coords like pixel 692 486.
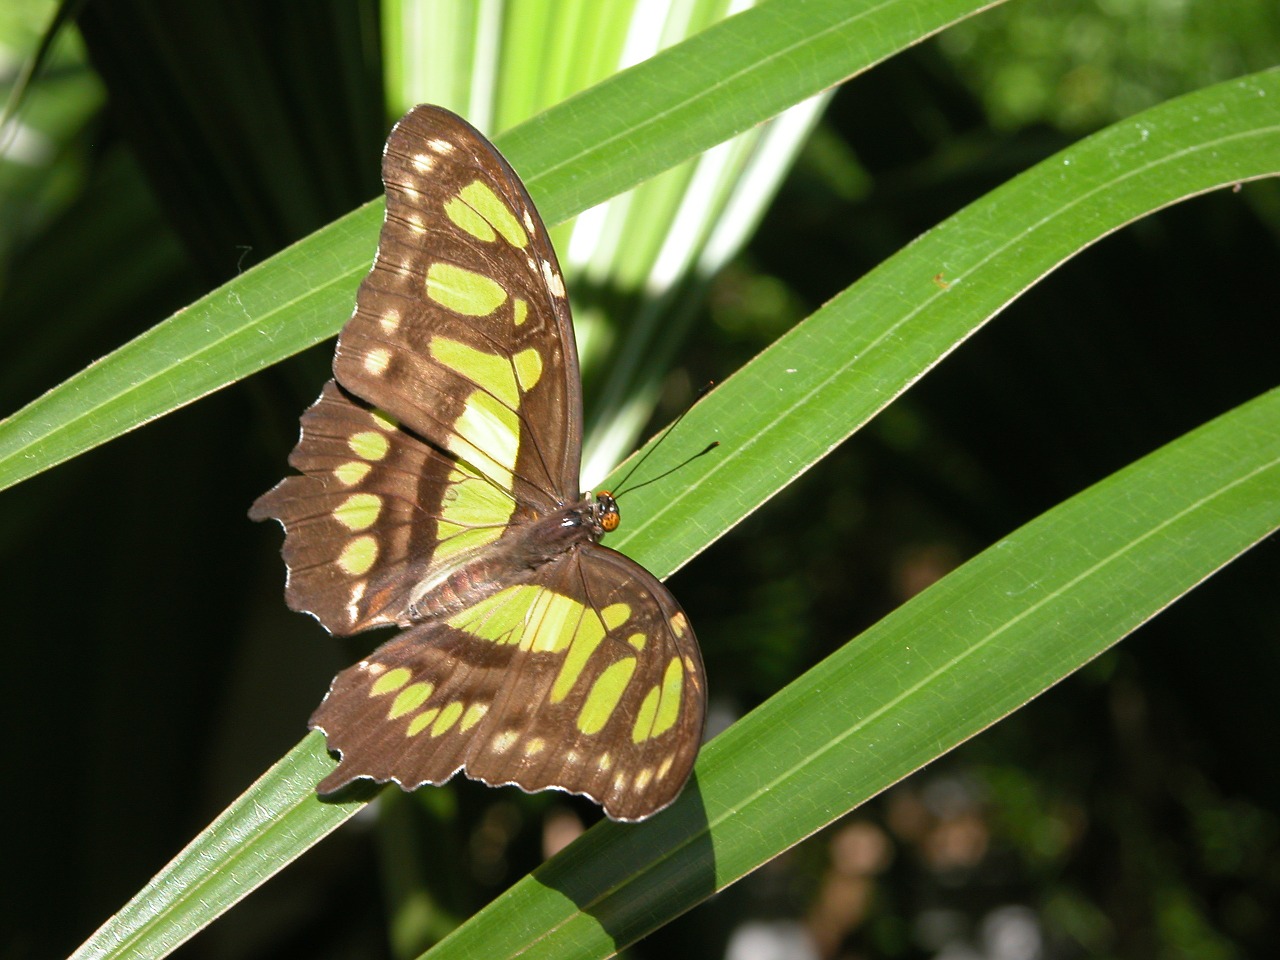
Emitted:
pixel 1078 66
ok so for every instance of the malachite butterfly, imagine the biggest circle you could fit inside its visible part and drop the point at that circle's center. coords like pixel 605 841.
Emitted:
pixel 439 494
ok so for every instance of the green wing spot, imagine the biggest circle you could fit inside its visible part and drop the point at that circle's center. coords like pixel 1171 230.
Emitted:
pixel 489 371
pixel 471 502
pixel 615 615
pixel 637 640
pixel 489 205
pixel 520 309
pixel 528 364
pixel 555 621
pixel 391 680
pixel 359 511
pixel 497 618
pixel 464 291
pixel 473 513
pixel 448 717
pixel 475 713
pixel 466 219
pixel 421 722
pixel 351 473
pixel 605 694
pixel 661 707
pixel 358 555
pixel 643 728
pixel 586 637
pixel 456 539
pixel 669 707
pixel 369 444
pixel 410 699
pixel 488 436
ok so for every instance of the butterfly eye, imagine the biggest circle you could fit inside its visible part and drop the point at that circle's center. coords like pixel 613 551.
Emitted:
pixel 609 515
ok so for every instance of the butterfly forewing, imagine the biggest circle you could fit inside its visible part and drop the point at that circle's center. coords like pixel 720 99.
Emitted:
pixel 458 365
pixel 461 329
pixel 438 492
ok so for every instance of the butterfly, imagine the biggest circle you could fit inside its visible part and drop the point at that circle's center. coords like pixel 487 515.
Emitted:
pixel 438 493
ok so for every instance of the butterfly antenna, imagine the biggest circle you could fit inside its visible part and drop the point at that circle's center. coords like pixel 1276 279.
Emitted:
pixel 622 484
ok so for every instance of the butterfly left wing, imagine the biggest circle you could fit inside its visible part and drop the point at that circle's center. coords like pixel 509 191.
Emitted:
pixel 461 329
pixel 456 414
pixel 588 681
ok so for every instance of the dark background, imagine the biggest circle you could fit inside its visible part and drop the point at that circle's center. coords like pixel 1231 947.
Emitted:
pixel 154 671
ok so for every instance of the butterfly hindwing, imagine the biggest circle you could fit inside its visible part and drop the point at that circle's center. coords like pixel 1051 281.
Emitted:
pixel 588 680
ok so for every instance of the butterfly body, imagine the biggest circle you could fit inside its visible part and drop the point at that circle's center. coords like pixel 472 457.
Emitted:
pixel 438 493
pixel 514 559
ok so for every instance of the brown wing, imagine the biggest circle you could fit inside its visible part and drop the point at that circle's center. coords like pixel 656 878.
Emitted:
pixel 589 681
pixel 461 329
pixel 459 413
pixel 377 513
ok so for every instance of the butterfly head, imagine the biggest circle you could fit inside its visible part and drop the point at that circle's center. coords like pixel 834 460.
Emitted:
pixel 607 515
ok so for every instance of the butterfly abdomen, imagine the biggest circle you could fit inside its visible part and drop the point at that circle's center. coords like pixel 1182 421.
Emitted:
pixel 515 558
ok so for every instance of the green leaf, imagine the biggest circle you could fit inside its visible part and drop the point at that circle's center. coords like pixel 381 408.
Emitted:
pixel 830 375
pixel 960 656
pixel 248 844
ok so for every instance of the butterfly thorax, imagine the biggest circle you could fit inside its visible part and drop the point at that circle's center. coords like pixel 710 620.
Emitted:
pixel 515 558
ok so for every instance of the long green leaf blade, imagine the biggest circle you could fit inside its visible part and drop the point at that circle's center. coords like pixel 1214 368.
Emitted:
pixel 831 374
pixel 247 845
